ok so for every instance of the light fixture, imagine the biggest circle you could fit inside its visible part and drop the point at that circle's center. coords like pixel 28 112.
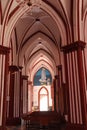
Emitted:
pixel 39 43
pixel 29 3
pixel 37 19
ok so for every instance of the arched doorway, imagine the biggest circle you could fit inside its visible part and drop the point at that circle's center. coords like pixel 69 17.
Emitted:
pixel 43 99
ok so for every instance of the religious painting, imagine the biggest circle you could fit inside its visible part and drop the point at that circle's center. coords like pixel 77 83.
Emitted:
pixel 42 77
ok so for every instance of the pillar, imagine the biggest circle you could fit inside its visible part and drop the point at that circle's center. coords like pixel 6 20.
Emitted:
pixel 24 95
pixel 30 96
pixel 75 82
pixel 13 108
pixel 61 90
pixel 55 82
pixel 4 63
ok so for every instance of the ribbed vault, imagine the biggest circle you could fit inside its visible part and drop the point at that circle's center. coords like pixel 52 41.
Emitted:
pixel 36 33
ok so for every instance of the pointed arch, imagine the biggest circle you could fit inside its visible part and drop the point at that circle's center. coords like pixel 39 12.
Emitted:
pixel 42 95
pixel 14 19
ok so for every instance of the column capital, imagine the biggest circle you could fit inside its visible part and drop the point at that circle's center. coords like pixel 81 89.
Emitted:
pixel 14 68
pixel 29 82
pixel 59 67
pixel 56 76
pixel 4 50
pixel 25 77
pixel 73 46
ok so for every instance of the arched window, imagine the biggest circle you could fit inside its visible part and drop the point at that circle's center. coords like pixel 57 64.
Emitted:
pixel 42 77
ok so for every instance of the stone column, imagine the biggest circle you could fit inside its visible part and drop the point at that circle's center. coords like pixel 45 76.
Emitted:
pixel 4 63
pixel 75 82
pixel 30 96
pixel 24 95
pixel 13 115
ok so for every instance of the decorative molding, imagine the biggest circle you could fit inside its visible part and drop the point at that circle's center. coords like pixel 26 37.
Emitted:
pixel 56 76
pixel 4 50
pixel 73 46
pixel 25 77
pixel 59 67
pixel 30 82
pixel 15 68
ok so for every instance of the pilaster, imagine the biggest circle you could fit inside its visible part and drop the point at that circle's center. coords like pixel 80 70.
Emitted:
pixel 75 82
pixel 13 108
pixel 24 95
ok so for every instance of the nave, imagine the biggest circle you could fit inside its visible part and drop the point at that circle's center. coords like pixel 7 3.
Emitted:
pixel 43 60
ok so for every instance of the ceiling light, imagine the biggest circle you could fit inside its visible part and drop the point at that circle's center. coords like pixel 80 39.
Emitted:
pixel 29 3
pixel 37 19
pixel 39 43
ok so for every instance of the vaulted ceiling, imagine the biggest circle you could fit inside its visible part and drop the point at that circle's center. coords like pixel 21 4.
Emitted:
pixel 36 29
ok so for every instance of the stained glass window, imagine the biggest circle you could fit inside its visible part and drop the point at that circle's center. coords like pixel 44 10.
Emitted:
pixel 42 77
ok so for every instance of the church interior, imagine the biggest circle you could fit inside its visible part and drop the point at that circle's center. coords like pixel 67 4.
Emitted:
pixel 43 65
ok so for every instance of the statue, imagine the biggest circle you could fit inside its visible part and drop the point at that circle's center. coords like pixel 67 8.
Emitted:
pixel 43 79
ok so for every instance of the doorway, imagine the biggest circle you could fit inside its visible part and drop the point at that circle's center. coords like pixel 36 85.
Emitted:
pixel 43 99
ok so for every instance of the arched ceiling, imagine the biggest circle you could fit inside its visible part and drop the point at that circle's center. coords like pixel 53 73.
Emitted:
pixel 35 30
pixel 38 33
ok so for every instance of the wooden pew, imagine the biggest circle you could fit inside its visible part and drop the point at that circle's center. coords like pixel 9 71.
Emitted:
pixel 50 120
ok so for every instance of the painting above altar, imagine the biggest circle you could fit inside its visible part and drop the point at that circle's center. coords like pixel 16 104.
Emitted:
pixel 42 77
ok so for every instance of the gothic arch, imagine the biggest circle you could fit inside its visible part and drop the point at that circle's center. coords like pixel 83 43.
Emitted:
pixel 31 44
pixel 14 19
pixel 47 94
